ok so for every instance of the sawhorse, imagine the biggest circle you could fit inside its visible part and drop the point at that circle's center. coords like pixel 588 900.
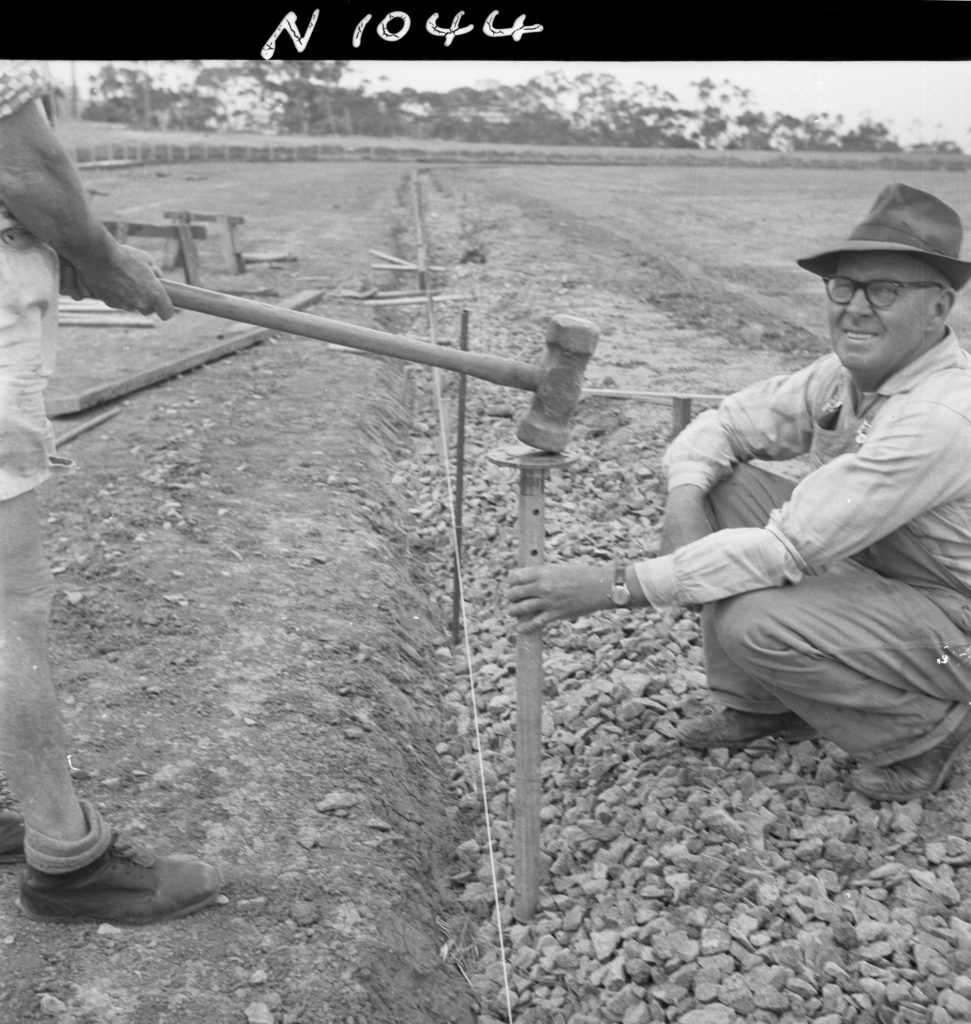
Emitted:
pixel 182 233
pixel 228 235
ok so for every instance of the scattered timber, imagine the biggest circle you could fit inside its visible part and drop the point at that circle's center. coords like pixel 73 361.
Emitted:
pixel 61 406
pixel 95 313
pixel 94 421
pixel 269 257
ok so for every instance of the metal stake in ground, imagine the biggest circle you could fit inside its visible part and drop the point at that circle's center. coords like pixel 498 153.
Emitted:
pixel 532 466
pixel 459 554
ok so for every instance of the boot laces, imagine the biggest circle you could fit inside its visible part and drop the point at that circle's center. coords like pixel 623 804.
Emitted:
pixel 124 848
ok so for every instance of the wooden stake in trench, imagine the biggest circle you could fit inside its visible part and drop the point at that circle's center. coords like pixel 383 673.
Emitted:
pixel 459 555
pixel 533 466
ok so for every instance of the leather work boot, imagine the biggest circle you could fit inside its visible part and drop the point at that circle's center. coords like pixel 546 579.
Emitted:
pixel 736 729
pixel 126 885
pixel 11 837
pixel 917 776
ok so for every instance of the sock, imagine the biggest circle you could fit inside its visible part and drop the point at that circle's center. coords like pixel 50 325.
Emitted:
pixel 57 856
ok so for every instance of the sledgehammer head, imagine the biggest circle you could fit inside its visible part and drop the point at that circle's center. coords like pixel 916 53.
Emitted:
pixel 570 342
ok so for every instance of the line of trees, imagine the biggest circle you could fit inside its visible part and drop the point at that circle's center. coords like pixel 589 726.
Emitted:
pixel 311 98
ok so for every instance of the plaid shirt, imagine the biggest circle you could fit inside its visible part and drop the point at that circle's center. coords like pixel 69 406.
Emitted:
pixel 897 458
pixel 21 81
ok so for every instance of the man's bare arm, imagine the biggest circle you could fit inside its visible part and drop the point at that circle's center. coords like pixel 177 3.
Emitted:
pixel 685 518
pixel 41 187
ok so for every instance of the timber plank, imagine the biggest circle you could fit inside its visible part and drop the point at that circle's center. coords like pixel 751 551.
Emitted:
pixel 67 404
pixel 411 300
pixel 212 218
pixel 135 320
pixel 188 256
pixel 650 396
pixel 406 268
pixel 89 424
pixel 132 230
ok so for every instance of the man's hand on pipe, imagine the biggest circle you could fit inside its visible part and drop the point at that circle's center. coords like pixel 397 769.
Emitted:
pixel 541 594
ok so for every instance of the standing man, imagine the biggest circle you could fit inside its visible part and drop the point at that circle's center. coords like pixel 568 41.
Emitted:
pixel 78 867
pixel 841 605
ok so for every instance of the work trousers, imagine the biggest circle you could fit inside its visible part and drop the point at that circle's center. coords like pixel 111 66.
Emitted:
pixel 877 661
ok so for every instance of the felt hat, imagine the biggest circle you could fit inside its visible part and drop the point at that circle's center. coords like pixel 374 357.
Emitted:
pixel 903 219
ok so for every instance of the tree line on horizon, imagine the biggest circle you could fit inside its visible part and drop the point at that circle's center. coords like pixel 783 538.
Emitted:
pixel 287 97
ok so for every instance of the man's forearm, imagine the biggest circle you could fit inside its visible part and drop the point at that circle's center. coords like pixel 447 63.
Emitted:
pixel 685 518
pixel 44 192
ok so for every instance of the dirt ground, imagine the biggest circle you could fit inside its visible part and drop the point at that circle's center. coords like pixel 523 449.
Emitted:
pixel 247 657
pixel 250 636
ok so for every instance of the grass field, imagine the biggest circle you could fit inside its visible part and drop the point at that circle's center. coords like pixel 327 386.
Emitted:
pixel 738 213
pixel 725 237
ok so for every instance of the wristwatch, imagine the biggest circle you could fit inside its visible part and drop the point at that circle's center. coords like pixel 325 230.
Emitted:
pixel 619 593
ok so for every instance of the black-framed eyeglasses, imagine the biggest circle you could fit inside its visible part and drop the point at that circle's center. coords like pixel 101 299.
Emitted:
pixel 880 294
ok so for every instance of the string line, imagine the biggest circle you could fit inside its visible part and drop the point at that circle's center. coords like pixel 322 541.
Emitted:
pixel 463 613
pixel 463 616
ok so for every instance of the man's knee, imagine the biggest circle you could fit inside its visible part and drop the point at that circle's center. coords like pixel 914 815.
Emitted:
pixel 749 625
pixel 26 592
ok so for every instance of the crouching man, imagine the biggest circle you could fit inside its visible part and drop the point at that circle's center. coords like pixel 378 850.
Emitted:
pixel 838 606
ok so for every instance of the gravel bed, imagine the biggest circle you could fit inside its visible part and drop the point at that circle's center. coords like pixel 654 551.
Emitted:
pixel 679 886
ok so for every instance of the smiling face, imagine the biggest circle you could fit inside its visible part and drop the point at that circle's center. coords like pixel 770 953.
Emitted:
pixel 874 343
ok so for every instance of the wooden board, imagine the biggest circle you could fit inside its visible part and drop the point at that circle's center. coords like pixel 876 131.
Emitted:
pixel 406 268
pixel 410 300
pixel 212 218
pixel 89 424
pixel 134 320
pixel 116 363
pixel 133 230
pixel 661 397
pixel 268 257
pixel 95 313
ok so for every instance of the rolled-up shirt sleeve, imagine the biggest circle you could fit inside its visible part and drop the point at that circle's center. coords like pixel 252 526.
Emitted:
pixel 769 420
pixel 904 468
pixel 722 564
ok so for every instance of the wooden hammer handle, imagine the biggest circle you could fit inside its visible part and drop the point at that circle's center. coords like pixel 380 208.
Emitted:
pixel 506 372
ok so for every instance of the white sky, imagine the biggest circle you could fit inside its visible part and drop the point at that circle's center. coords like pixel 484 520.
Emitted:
pixel 916 100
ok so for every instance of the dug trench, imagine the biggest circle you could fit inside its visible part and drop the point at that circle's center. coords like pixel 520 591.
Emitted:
pixel 248 657
pixel 754 886
pixel 250 661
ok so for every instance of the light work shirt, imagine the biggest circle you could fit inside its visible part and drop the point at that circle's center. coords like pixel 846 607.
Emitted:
pixel 879 462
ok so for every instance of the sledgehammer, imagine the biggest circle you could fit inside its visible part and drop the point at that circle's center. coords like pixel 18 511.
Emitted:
pixel 557 383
